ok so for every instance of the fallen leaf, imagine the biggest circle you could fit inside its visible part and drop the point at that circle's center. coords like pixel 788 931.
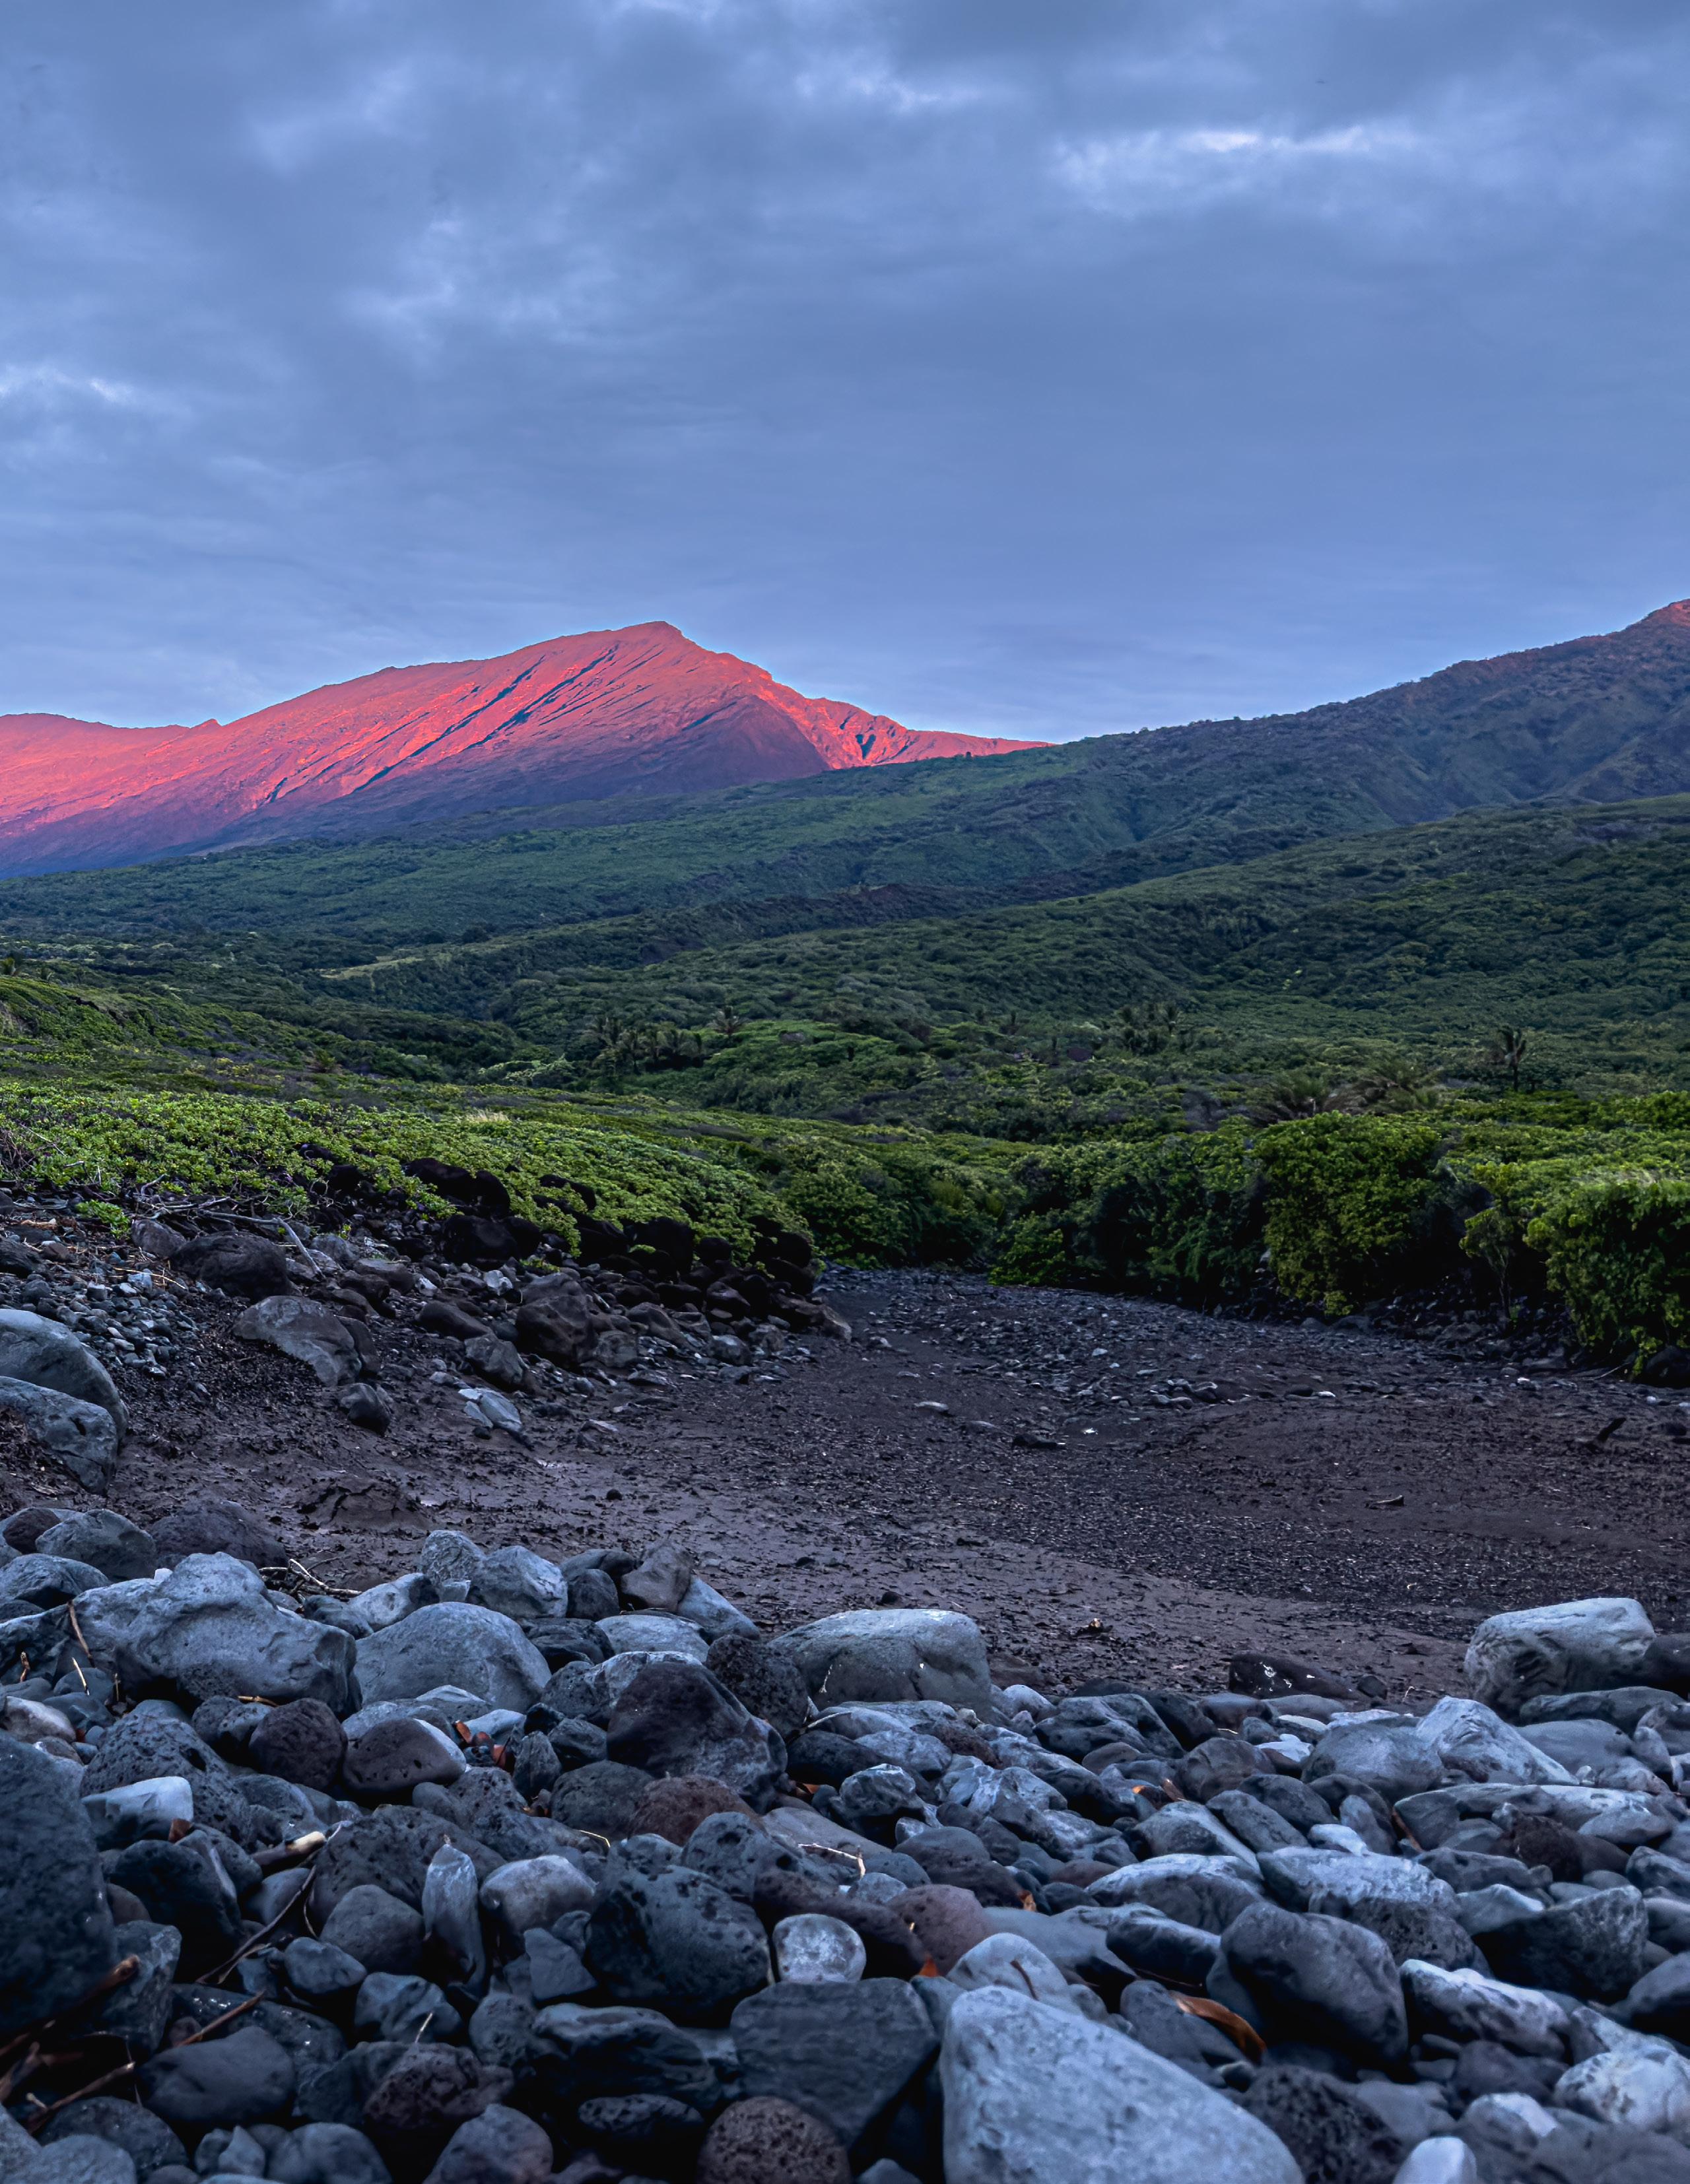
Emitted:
pixel 1245 2036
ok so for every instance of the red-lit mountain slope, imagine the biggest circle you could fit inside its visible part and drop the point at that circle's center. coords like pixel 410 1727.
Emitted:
pixel 611 713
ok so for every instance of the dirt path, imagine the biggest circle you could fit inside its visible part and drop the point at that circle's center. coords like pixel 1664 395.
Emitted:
pixel 1112 1486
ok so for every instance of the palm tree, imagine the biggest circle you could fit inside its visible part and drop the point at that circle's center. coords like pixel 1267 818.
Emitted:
pixel 1507 1051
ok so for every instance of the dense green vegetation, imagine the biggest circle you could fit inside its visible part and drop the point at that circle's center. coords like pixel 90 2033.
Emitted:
pixel 1585 1202
pixel 1363 973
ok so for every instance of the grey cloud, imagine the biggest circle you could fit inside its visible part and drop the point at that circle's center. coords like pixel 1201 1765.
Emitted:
pixel 1030 367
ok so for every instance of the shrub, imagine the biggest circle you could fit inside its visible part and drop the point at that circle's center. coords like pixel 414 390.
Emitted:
pixel 108 1215
pixel 1617 1248
pixel 893 1204
pixel 1356 1204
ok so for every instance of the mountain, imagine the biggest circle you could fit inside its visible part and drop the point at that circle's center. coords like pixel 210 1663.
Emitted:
pixel 1599 719
pixel 611 713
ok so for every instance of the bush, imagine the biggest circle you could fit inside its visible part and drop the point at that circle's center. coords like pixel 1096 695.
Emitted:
pixel 891 1205
pixel 1616 1248
pixel 1179 1216
pixel 103 1212
pixel 1357 1204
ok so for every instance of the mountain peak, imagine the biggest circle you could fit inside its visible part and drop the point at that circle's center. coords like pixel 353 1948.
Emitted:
pixel 572 719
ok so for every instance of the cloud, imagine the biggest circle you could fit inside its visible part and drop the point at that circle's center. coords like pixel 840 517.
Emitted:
pixel 1041 369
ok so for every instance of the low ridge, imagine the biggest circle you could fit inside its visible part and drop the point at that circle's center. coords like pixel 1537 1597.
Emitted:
pixel 609 713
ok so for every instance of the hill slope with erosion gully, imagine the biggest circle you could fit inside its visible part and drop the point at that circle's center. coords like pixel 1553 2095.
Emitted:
pixel 1110 1486
pixel 611 713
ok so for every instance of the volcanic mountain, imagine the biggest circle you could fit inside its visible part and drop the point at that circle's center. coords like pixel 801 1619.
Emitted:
pixel 611 713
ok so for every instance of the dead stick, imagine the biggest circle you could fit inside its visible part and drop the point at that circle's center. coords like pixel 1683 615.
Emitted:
pixel 39 2123
pixel 223 1971
pixel 120 1975
pixel 23 2069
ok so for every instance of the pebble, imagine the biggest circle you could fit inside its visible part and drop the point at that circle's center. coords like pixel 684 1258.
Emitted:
pixel 609 1934
pixel 811 1945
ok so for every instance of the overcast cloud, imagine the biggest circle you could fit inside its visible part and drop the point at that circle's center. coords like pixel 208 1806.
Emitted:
pixel 1034 366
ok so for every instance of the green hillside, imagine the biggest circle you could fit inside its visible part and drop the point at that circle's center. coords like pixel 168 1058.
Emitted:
pixel 1194 1012
pixel 1569 921
pixel 1390 958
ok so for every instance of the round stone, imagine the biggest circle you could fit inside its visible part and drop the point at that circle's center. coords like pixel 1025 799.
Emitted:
pixel 680 1803
pixel 757 2140
pixel 301 1741
pixel 392 1757
pixel 813 1947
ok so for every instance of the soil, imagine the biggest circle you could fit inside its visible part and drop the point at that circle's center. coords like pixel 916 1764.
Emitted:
pixel 1112 1487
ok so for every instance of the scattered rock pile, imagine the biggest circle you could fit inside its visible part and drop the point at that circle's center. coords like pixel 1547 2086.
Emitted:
pixel 506 1869
pixel 489 1306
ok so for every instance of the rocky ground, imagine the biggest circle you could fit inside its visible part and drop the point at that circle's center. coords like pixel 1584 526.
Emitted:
pixel 882 1704
pixel 1107 1484
pixel 510 1871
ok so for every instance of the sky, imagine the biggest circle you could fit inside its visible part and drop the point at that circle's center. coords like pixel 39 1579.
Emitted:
pixel 1030 367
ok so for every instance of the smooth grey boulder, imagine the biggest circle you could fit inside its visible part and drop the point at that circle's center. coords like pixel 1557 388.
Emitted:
pixel 653 1633
pixel 377 1930
pixel 1033 2095
pixel 1392 1757
pixel 518 1583
pixel 40 1580
pixel 1316 1879
pixel 116 1548
pixel 1320 1979
pixel 451 1911
pixel 534 1891
pixel 244 2075
pixel 79 2158
pixel 1007 1960
pixel 81 1435
pixel 892 1653
pixel 452 1642
pixel 1474 1740
pixel 1186 1885
pixel 1571 1645
pixel 1467 2005
pixel 310 1333
pixel 392 1602
pixel 400 2006
pixel 49 1356
pixel 659 1584
pixel 56 1935
pixel 450 1557
pixel 389 1759
pixel 216 1527
pixel 1660 2000
pixel 1637 2081
pixel 210 1628
pixel 500 2146
pixel 326 2153
pixel 713 1613
pixel 845 2053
